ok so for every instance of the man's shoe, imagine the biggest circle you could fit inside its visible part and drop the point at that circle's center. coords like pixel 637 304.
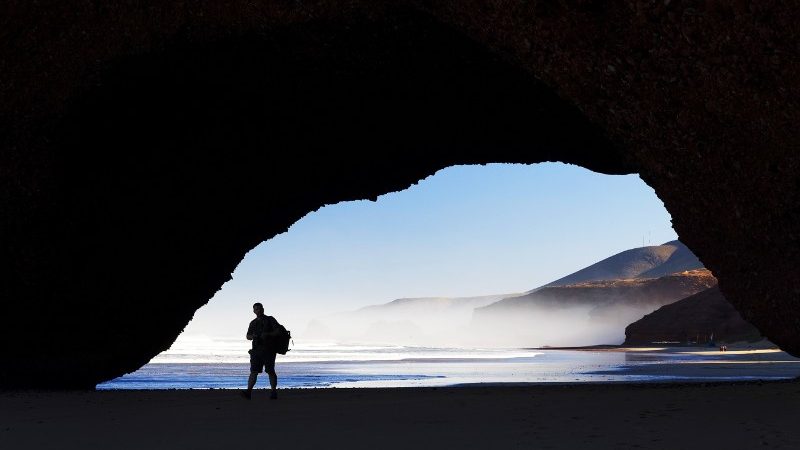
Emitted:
pixel 273 395
pixel 245 394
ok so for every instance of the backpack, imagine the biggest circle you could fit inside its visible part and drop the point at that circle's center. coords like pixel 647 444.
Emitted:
pixel 280 343
pixel 282 340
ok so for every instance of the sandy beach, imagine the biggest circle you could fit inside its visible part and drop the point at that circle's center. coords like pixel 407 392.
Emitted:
pixel 662 416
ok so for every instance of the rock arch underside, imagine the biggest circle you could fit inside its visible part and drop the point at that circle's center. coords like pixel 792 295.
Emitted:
pixel 146 149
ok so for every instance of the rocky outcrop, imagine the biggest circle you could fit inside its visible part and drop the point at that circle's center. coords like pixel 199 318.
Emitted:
pixel 146 147
pixel 706 314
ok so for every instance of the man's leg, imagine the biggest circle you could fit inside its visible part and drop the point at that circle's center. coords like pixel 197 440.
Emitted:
pixel 273 377
pixel 251 381
pixel 255 368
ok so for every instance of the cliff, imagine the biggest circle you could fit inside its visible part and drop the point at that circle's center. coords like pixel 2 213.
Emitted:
pixel 703 314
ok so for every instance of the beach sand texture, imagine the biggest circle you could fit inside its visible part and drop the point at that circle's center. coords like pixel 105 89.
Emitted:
pixel 662 416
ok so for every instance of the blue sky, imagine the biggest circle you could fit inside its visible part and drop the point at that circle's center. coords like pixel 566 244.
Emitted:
pixel 467 230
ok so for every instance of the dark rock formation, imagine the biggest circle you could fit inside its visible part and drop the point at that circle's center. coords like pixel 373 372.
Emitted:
pixel 705 314
pixel 144 148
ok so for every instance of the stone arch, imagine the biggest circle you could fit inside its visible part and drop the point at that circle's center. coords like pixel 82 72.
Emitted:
pixel 138 197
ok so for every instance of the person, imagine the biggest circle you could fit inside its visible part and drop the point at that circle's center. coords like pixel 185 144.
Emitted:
pixel 262 355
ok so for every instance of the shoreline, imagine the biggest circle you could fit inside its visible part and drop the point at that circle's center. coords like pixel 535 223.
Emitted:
pixel 757 347
pixel 548 367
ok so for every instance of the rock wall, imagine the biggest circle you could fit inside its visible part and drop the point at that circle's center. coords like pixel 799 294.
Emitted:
pixel 704 314
pixel 146 148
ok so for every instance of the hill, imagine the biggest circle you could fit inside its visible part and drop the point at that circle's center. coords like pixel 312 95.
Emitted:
pixel 604 294
pixel 643 262
pixel 617 290
pixel 409 321
pixel 431 304
pixel 586 313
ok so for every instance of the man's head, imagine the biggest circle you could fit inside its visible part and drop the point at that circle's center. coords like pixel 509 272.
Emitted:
pixel 258 309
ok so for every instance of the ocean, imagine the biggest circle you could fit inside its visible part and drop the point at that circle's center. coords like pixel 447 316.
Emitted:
pixel 201 363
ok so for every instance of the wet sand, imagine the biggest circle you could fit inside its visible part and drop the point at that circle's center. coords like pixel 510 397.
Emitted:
pixel 660 416
pixel 711 365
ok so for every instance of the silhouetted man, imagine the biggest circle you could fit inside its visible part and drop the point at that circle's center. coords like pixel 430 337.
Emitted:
pixel 262 331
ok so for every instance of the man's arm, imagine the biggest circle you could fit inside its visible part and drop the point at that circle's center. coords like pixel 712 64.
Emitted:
pixel 250 334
